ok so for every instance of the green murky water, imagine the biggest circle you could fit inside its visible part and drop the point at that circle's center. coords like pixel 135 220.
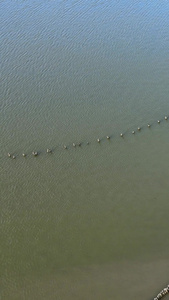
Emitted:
pixel 88 222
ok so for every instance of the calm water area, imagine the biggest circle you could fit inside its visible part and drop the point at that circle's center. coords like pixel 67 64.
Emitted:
pixel 91 221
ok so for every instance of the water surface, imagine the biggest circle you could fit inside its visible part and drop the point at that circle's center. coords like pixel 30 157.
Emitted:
pixel 89 222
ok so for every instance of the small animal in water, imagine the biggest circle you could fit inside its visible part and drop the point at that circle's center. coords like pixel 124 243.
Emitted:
pixel 49 151
pixel 35 153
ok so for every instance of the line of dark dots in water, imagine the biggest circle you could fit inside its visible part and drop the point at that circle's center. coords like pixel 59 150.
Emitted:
pixel 35 153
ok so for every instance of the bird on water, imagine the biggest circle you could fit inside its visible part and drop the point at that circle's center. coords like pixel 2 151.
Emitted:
pixel 35 153
pixel 49 150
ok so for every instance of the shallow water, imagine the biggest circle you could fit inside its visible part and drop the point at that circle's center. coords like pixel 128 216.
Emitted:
pixel 89 222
